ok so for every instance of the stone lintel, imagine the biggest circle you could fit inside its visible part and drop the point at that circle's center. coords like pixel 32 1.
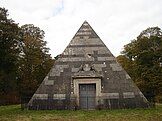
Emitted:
pixel 49 82
pixel 106 58
pixel 74 59
pixel 128 95
pixel 41 96
pixel 110 95
pixel 59 96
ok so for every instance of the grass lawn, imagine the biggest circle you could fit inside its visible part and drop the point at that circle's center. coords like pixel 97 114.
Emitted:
pixel 14 113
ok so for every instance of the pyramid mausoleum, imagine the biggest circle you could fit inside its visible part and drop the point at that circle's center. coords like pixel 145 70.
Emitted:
pixel 87 76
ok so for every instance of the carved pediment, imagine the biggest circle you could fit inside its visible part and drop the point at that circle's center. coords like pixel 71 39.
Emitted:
pixel 87 70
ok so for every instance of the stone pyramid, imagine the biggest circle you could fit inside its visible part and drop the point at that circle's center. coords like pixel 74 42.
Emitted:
pixel 87 76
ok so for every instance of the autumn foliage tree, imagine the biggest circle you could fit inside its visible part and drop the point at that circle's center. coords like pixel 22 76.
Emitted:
pixel 24 59
pixel 142 59
pixel 35 61
pixel 10 40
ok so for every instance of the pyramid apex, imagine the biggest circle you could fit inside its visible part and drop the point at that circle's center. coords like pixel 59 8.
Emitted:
pixel 86 31
pixel 85 22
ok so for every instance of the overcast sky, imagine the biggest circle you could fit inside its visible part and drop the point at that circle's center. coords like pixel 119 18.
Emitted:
pixel 117 22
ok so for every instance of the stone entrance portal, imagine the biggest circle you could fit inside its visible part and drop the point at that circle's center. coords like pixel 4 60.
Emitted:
pixel 87 91
pixel 87 96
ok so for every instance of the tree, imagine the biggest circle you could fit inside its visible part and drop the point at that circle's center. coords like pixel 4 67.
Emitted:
pixel 35 61
pixel 144 56
pixel 24 59
pixel 10 45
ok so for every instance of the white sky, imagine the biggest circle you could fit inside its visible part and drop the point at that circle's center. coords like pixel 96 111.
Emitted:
pixel 117 22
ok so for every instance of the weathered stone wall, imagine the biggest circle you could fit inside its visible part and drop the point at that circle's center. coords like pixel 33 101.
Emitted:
pixel 86 48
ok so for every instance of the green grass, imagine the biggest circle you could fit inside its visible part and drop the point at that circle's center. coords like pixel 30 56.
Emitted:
pixel 14 113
